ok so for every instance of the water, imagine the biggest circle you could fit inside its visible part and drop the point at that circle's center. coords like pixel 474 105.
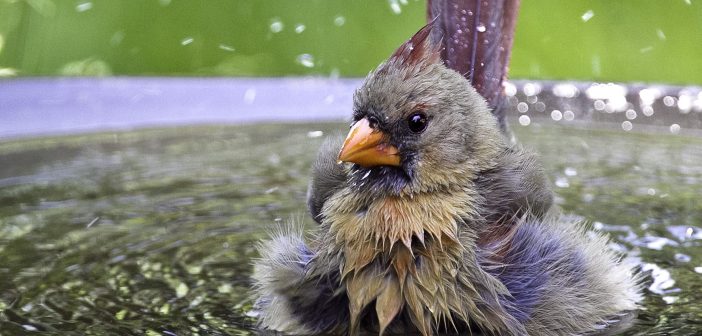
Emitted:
pixel 154 231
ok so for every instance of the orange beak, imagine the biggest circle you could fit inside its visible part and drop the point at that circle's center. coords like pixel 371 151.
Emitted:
pixel 368 147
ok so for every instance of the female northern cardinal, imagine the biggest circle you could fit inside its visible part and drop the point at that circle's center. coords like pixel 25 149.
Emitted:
pixel 435 222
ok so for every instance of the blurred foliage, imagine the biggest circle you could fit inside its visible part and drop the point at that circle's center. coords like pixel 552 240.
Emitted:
pixel 626 40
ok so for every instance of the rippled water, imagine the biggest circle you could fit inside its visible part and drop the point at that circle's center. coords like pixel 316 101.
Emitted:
pixel 152 232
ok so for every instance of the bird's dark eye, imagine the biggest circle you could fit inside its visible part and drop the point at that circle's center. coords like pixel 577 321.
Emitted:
pixel 373 121
pixel 417 122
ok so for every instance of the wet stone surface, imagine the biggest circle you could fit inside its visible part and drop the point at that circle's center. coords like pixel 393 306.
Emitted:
pixel 154 231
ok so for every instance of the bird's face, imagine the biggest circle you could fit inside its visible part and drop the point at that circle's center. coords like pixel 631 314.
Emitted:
pixel 418 126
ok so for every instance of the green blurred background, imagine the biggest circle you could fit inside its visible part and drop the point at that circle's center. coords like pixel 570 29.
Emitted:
pixel 600 40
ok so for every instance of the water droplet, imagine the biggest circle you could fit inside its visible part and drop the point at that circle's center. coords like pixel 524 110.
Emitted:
pixel 565 90
pixel 685 103
pixel 186 41
pixel 556 115
pixel 627 126
pixel 395 6
pixel 540 107
pixel 314 134
pixel 524 120
pixel 276 25
pixel 226 47
pixel 481 28
pixel 599 105
pixel 562 182
pixel 531 89
pixel 28 307
pixel 668 101
pixel 84 6
pixel 660 34
pixel 250 96
pixel 532 99
pixel 568 115
pixel 299 28
pixel 522 107
pixel 698 270
pixel 570 171
pixel 306 60
pixel 648 111
pixel 29 327
pixel 630 114
pixel 587 15
pixel 339 21
pixel 649 95
pixel 510 89
pixel 675 128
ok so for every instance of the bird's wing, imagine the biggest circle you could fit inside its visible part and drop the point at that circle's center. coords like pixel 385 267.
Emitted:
pixel 562 278
pixel 292 298
pixel 327 176
pixel 515 187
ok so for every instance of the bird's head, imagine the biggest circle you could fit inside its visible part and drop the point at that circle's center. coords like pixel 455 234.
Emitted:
pixel 417 125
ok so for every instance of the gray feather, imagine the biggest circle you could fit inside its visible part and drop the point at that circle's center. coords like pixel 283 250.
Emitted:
pixel 288 297
pixel 516 186
pixel 328 176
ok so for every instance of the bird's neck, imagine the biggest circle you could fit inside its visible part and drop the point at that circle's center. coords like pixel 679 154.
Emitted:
pixel 398 249
pixel 383 222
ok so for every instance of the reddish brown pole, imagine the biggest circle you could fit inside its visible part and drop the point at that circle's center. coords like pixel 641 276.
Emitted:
pixel 477 36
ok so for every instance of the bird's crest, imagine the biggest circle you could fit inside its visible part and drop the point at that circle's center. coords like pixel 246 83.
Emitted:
pixel 421 49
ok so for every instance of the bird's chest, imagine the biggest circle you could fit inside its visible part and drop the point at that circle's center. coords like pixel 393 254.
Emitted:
pixel 399 252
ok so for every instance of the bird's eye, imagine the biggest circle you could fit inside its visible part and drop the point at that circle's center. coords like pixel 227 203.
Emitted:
pixel 373 121
pixel 417 122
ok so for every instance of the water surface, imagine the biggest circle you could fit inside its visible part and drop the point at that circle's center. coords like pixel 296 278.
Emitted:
pixel 154 231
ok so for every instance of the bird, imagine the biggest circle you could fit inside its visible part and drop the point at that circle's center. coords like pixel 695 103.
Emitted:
pixel 431 220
